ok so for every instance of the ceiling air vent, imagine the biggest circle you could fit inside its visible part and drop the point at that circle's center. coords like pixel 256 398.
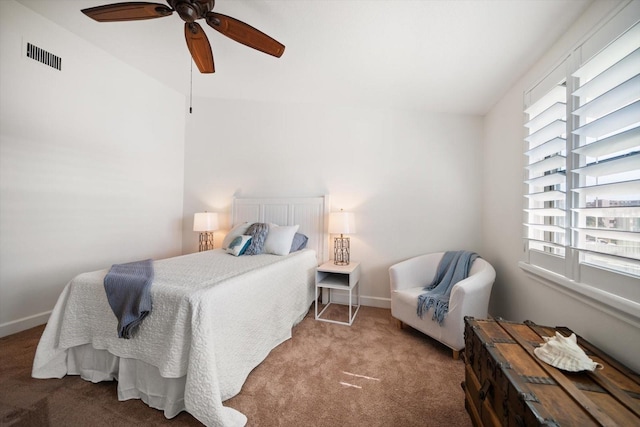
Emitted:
pixel 41 55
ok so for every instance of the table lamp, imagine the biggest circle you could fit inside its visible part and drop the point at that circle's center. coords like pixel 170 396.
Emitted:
pixel 341 223
pixel 206 223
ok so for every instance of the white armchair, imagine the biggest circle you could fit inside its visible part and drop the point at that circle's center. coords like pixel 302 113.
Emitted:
pixel 469 297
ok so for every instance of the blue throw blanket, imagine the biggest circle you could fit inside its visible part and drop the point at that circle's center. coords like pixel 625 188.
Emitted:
pixel 454 267
pixel 128 291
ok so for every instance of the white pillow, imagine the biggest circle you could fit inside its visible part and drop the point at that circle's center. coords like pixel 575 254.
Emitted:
pixel 236 231
pixel 239 245
pixel 279 239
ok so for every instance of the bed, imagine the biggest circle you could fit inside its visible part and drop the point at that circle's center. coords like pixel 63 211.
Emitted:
pixel 215 318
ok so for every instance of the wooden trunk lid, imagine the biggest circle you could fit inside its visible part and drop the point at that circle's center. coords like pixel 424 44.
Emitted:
pixel 523 390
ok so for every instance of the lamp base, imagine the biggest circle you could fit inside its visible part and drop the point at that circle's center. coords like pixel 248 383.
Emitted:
pixel 341 250
pixel 206 241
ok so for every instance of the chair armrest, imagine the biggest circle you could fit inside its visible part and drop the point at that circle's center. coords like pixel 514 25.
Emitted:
pixel 470 297
pixel 414 272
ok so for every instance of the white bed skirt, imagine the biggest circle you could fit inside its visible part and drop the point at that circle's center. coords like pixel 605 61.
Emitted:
pixel 136 379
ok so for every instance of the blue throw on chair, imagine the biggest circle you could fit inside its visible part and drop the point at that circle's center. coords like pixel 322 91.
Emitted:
pixel 453 267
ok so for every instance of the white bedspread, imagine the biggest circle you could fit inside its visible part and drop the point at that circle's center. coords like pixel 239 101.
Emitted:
pixel 215 317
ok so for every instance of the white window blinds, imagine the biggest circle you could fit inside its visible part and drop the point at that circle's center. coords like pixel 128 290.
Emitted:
pixel 546 172
pixel 606 207
pixel 582 177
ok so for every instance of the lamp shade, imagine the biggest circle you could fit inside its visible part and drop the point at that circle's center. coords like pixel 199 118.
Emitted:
pixel 341 223
pixel 205 221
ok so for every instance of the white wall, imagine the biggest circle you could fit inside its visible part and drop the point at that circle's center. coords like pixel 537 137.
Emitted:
pixel 91 166
pixel 515 295
pixel 413 179
pixel 86 183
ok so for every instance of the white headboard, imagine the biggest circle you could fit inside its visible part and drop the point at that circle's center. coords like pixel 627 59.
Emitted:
pixel 310 213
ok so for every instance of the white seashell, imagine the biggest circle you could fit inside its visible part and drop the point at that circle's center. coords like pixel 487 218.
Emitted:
pixel 565 353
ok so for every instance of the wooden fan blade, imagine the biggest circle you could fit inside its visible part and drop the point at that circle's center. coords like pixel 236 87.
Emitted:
pixel 244 33
pixel 131 11
pixel 199 47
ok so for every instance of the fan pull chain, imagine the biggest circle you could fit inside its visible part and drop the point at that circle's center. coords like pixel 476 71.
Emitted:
pixel 191 88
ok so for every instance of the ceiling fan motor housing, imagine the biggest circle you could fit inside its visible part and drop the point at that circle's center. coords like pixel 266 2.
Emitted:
pixel 191 10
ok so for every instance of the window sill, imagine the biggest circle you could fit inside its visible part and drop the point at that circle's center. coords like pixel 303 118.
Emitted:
pixel 623 309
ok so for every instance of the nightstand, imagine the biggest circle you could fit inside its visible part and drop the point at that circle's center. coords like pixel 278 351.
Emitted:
pixel 342 277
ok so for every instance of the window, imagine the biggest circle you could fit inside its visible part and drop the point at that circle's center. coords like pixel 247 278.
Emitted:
pixel 582 173
pixel 606 153
pixel 546 170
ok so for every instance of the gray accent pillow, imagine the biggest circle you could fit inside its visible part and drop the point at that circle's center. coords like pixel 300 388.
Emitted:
pixel 299 242
pixel 258 232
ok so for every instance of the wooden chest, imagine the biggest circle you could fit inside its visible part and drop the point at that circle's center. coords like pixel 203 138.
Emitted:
pixel 507 385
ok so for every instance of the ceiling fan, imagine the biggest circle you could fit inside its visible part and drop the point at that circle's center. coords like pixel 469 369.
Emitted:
pixel 190 11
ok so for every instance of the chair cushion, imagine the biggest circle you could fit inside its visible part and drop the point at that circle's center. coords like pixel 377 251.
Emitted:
pixel 409 296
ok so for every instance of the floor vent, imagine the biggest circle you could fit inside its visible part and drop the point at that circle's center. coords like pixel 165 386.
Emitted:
pixel 41 55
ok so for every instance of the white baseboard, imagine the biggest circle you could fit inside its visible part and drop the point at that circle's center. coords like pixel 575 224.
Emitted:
pixel 340 297
pixel 23 324
pixel 376 302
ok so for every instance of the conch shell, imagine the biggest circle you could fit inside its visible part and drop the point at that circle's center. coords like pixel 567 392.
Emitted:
pixel 564 353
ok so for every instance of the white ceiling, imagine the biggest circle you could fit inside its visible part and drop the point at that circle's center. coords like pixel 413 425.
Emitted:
pixel 455 56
